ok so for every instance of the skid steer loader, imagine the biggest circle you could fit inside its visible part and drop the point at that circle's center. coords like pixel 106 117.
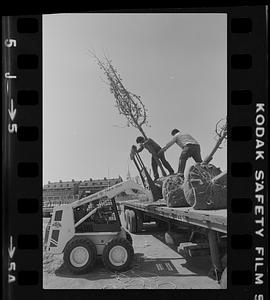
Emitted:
pixel 91 227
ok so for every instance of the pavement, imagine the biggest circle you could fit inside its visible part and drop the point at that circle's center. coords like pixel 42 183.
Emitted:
pixel 156 265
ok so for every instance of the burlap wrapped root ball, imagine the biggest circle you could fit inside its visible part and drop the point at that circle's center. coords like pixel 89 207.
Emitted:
pixel 172 191
pixel 200 192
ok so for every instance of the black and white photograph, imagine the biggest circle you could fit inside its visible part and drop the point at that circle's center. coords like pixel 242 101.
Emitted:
pixel 134 151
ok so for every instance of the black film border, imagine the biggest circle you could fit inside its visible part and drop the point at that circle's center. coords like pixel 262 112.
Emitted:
pixel 22 159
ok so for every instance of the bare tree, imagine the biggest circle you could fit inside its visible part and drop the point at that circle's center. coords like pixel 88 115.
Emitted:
pixel 221 135
pixel 221 129
pixel 127 103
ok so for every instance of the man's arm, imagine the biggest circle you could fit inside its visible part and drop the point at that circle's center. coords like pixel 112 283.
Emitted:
pixel 140 149
pixel 168 145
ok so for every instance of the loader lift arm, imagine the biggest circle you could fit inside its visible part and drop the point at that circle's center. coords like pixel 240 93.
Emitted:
pixel 104 196
pixel 113 191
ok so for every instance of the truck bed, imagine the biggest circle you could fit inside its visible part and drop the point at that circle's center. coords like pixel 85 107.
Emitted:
pixel 211 219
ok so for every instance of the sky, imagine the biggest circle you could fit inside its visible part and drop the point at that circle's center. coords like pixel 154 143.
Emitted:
pixel 176 63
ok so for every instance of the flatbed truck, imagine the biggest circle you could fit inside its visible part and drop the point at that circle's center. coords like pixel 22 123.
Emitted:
pixel 212 223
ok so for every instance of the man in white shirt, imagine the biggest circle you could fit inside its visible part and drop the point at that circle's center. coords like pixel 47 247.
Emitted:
pixel 191 148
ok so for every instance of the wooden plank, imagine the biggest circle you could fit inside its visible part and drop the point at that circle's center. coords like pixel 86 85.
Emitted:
pixel 222 213
pixel 215 219
pixel 198 214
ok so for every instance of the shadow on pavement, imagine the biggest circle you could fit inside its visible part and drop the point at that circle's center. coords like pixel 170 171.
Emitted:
pixel 200 265
pixel 142 266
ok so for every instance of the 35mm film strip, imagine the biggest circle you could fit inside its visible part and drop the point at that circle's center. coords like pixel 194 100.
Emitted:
pixel 247 201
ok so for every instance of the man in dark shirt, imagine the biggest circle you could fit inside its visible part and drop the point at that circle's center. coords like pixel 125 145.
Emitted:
pixel 152 146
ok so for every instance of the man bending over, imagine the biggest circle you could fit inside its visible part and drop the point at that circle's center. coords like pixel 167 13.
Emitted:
pixel 150 144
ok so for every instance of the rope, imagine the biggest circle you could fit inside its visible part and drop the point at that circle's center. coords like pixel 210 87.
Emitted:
pixel 206 176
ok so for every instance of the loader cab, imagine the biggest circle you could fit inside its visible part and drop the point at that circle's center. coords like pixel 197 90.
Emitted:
pixel 106 218
pixel 62 225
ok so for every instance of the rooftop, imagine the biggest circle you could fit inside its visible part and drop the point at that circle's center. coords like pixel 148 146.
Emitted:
pixel 90 182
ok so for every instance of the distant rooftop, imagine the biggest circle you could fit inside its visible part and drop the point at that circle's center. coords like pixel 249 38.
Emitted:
pixel 90 182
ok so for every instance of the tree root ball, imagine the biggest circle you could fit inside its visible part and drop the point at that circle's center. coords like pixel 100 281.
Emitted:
pixel 172 191
pixel 201 192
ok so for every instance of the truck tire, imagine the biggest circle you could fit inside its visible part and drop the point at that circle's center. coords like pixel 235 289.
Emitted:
pixel 80 255
pixel 169 240
pixel 132 221
pixel 118 254
pixel 223 279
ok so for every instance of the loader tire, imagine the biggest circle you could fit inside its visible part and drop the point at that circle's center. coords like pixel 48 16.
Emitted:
pixel 80 255
pixel 118 254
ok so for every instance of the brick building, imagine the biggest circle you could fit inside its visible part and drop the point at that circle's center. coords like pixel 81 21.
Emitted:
pixel 68 191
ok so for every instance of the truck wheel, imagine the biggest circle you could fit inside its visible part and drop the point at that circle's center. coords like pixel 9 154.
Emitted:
pixel 80 255
pixel 132 221
pixel 118 254
pixel 223 279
